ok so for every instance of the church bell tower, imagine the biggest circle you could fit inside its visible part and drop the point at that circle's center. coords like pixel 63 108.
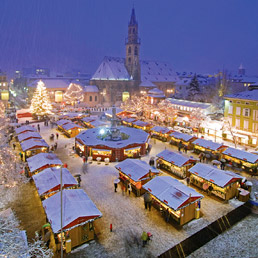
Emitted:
pixel 132 61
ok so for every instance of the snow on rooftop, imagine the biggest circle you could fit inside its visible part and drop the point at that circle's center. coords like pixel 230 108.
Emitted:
pixel 43 159
pixel 25 128
pixel 214 175
pixel 128 119
pixel 90 88
pixel 33 144
pixel 136 169
pixel 174 158
pixel 50 83
pixel 182 136
pixel 89 119
pixel 248 95
pixel 141 123
pixel 27 135
pixel 148 84
pixel 171 192
pixel 161 129
pixel 98 123
pixel 49 179
pixel 92 137
pixel 241 154
pixel 208 144
pixel 188 103
pixel 70 126
pixel 63 122
pixel 78 205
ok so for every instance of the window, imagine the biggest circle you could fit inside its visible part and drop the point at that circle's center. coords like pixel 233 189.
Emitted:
pixel 237 123
pixel 129 50
pixel 246 124
pixel 247 103
pixel 96 98
pixel 135 51
pixel 230 109
pixel 238 111
pixel 238 102
pixel 129 60
pixel 246 111
pixel 90 98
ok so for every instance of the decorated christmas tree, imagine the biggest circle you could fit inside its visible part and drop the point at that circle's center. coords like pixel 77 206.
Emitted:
pixel 74 94
pixel 40 103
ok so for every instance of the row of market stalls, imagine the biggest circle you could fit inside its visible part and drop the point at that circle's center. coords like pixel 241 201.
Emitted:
pixel 70 129
pixel 30 142
pixel 78 211
pixel 178 201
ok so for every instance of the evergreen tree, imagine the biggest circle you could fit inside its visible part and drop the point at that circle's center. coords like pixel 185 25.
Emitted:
pixel 40 103
pixel 73 94
pixel 194 89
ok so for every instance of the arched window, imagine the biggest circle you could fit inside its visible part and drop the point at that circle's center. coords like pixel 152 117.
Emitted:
pixel 96 98
pixel 90 98
pixel 135 51
pixel 129 60
pixel 129 50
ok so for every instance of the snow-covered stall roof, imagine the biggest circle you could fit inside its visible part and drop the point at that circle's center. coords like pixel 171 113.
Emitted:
pixel 78 209
pixel 208 144
pixel 240 154
pixel 156 93
pixel 90 88
pixel 70 126
pixel 161 129
pixel 43 159
pixel 109 111
pixel 214 175
pixel 92 137
pixel 182 136
pixel 111 68
pixel 27 135
pixel 175 158
pixel 129 119
pixel 25 128
pixel 171 192
pixel 247 95
pixel 136 169
pixel 63 122
pixel 49 180
pixel 188 103
pixel 89 119
pixel 33 144
pixel 71 115
pixel 141 123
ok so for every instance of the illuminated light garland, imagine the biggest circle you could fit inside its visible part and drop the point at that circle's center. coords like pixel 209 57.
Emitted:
pixel 40 103
pixel 74 93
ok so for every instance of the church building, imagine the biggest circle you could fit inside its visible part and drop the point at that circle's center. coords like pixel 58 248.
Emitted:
pixel 119 78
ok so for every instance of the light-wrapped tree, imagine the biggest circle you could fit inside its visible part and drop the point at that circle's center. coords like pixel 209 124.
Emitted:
pixel 40 103
pixel 73 94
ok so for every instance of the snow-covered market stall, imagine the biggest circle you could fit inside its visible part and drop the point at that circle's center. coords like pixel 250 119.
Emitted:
pixel 222 183
pixel 32 147
pixel 48 183
pixel 136 172
pixel 24 129
pixel 28 135
pixel 174 199
pixel 146 126
pixel 78 213
pixel 71 129
pixel 208 147
pixel 185 139
pixel 62 122
pixel 41 161
pixel 241 158
pixel 128 121
pixel 161 133
pixel 175 163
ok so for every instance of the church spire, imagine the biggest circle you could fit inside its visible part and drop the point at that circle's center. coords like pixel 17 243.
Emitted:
pixel 133 18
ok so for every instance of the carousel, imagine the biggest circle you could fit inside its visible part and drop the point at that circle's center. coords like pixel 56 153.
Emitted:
pixel 112 144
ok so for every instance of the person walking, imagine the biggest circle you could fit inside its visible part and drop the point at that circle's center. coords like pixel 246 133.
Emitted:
pixel 57 135
pixel 185 148
pixel 115 186
pixel 79 181
pixel 144 238
pixel 39 128
pixel 167 215
pixel 55 146
pixel 129 188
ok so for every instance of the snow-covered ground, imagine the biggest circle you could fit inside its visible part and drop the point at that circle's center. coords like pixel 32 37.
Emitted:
pixel 127 213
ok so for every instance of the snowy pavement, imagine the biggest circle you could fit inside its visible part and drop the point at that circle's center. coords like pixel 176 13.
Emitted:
pixel 127 213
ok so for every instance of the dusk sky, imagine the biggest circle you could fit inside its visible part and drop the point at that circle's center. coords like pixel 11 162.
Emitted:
pixel 199 35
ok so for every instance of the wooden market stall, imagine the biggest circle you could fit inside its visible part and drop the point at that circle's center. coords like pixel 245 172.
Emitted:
pixel 62 122
pixel 136 172
pixel 175 163
pixel 32 147
pixel 161 133
pixel 176 200
pixel 79 214
pixel 24 129
pixel 142 125
pixel 71 129
pixel 85 122
pixel 186 139
pixel 41 161
pixel 221 183
pixel 241 159
pixel 209 147
pixel 72 116
pixel 128 121
pixel 48 183
pixel 28 135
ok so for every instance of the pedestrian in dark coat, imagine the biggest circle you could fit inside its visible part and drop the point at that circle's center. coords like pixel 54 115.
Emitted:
pixel 38 127
pixel 115 186
pixel 57 135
